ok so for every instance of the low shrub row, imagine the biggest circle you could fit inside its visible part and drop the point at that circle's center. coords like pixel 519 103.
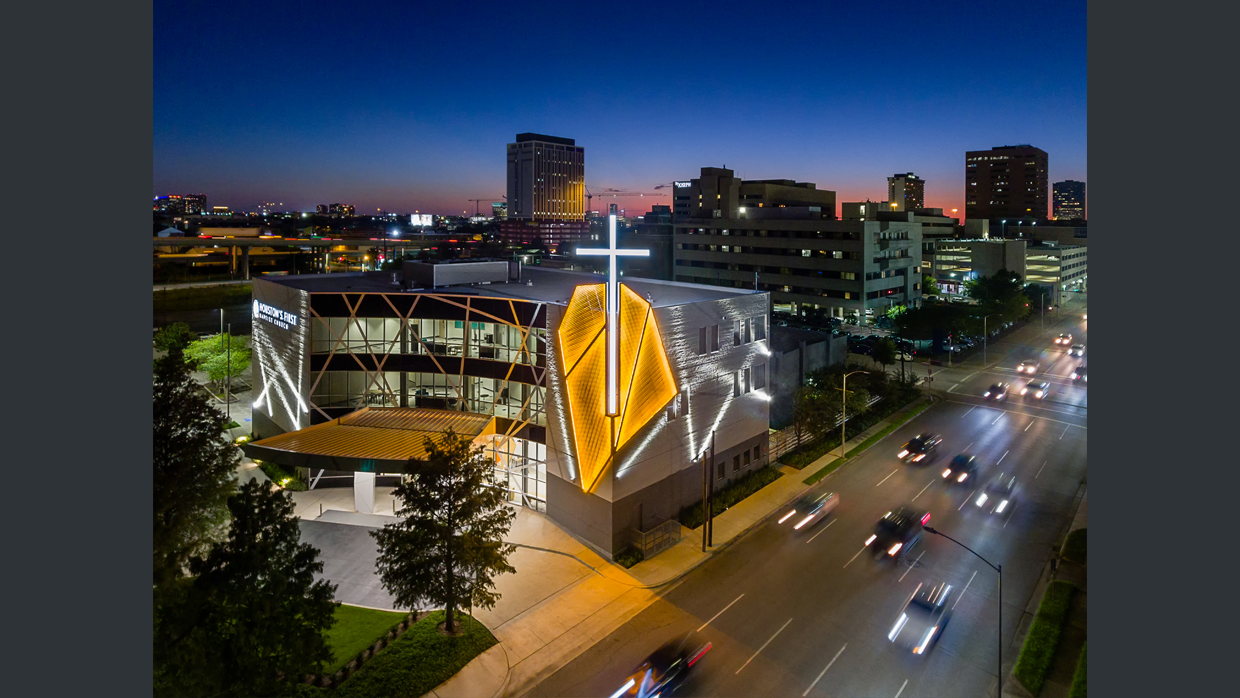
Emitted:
pixel 628 557
pixel 1078 678
pixel 1043 639
pixel 727 496
pixel 288 480
pixel 1074 547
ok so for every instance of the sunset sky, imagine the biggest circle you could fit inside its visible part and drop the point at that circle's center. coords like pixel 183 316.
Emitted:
pixel 409 106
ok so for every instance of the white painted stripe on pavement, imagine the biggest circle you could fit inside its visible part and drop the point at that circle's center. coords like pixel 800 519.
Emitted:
pixel 966 588
pixel 1001 413
pixel 966 448
pixel 824 671
pixel 885 479
pixel 854 557
pixel 953 388
pixel 968 411
pixel 1035 407
pixel 1065 431
pixel 755 654
pixel 1010 513
pixel 923 490
pixel 1035 477
pixel 811 540
pixel 897 692
pixel 910 567
pixel 1002 457
pixel 1030 424
pixel 712 620
pixel 966 501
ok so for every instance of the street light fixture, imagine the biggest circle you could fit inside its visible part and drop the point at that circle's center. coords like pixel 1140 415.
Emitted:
pixel 999 569
pixel 844 411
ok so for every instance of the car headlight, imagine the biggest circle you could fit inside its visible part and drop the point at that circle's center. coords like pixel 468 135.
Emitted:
pixel 982 499
pixel 947 472
pixel 803 522
pixel 919 457
pixel 895 549
pixel 903 453
pixel 925 640
pixel 787 516
pixel 895 630
pixel 870 539
pixel 987 394
pixel 1039 394
pixel 962 477
pixel 1023 391
pixel 1002 505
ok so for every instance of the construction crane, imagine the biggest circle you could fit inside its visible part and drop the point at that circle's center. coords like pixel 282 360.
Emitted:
pixel 611 192
pixel 478 203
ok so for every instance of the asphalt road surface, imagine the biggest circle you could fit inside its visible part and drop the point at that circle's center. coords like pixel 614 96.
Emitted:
pixel 807 613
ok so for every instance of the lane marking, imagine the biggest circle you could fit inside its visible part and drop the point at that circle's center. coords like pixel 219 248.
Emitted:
pixel 885 479
pixel 712 620
pixel 897 692
pixel 1065 431
pixel 966 588
pixel 777 632
pixel 966 501
pixel 924 489
pixel 1002 457
pixel 1035 477
pixel 966 448
pixel 1031 423
pixel 811 540
pixel 954 386
pixel 1001 413
pixel 824 671
pixel 1035 407
pixel 1010 513
pixel 968 411
pixel 854 557
pixel 910 567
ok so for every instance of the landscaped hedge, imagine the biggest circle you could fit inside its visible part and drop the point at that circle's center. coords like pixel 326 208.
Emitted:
pixel 729 495
pixel 628 557
pixel 1043 639
pixel 1074 547
pixel 1078 679
pixel 278 475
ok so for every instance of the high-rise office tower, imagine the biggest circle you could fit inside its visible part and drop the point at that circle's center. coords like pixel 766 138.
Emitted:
pixel 546 190
pixel 906 192
pixel 1069 200
pixel 1008 182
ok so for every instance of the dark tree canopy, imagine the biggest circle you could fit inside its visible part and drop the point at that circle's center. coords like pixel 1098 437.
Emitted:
pixel 194 469
pixel 252 619
pixel 450 547
pixel 1001 294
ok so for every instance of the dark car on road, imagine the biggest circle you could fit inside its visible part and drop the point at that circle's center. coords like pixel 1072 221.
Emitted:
pixel 963 468
pixel 998 494
pixel 996 392
pixel 1078 374
pixel 810 509
pixel 921 448
pixel 666 670
pixel 897 532
pixel 1064 339
pixel 1036 390
pixel 923 619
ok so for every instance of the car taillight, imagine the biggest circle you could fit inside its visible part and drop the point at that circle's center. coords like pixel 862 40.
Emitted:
pixel 925 518
pixel 699 654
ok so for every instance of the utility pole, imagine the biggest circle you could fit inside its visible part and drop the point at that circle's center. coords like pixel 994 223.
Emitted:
pixel 710 517
pixel 705 503
pixel 228 376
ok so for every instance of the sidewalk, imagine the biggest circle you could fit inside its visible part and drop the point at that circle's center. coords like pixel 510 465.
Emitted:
pixel 1059 678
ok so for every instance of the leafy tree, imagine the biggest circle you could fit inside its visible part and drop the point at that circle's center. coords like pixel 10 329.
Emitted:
pixel 212 355
pixel 253 619
pixel 929 286
pixel 1001 294
pixel 884 352
pixel 809 412
pixel 194 469
pixel 177 334
pixel 450 547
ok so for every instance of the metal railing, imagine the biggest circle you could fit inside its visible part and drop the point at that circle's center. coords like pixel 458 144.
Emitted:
pixel 657 539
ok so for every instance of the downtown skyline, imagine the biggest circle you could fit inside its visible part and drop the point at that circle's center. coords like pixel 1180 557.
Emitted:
pixel 406 110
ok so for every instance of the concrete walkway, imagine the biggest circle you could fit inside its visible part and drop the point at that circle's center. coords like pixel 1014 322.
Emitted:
pixel 564 597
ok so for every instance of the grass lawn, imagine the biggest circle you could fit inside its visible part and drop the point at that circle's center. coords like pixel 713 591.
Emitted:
pixel 203 297
pixel 355 630
pixel 899 422
pixel 419 660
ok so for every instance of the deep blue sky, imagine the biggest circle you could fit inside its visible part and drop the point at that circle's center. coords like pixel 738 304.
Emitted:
pixel 409 106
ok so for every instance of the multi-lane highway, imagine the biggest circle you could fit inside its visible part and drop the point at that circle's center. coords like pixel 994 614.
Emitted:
pixel 808 612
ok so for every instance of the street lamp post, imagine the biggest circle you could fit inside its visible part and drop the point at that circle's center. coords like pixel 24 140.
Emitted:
pixel 985 337
pixel 1004 229
pixel 844 411
pixel 999 569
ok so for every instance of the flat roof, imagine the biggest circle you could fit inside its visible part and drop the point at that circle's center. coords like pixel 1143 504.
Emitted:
pixel 385 437
pixel 554 286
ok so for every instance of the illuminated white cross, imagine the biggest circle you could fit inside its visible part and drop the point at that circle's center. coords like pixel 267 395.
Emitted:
pixel 613 310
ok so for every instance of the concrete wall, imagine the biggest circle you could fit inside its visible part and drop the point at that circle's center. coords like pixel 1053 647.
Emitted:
pixel 788 371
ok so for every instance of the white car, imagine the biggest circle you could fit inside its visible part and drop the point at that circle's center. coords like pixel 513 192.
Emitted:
pixel 1028 366
pixel 1077 350
pixel 1064 339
